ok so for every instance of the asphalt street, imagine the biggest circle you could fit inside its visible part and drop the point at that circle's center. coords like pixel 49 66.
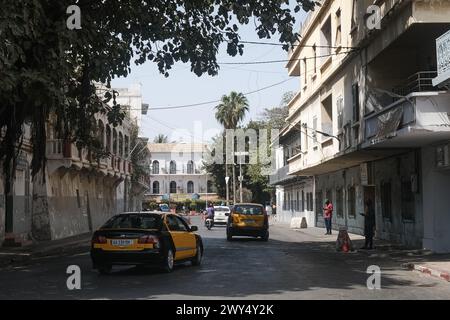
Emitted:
pixel 292 265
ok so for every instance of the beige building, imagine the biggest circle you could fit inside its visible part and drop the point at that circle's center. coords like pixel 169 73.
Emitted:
pixel 370 122
pixel 79 193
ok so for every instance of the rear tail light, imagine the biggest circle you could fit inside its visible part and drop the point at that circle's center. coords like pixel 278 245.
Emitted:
pixel 149 239
pixel 98 239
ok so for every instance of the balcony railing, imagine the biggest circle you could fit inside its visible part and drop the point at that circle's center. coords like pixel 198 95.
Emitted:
pixel 57 149
pixel 418 82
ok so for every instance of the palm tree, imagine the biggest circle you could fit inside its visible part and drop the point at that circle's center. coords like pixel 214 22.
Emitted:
pixel 160 138
pixel 229 113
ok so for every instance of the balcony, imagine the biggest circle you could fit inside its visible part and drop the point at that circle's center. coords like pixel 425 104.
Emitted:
pixel 419 82
pixel 422 117
pixel 280 176
pixel 66 154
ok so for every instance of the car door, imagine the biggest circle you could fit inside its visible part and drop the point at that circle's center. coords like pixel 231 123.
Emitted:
pixel 178 231
pixel 189 240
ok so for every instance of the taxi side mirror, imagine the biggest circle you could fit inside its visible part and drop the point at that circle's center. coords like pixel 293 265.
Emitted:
pixel 227 214
pixel 194 228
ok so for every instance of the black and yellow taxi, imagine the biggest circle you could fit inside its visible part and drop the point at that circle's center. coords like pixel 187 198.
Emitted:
pixel 159 239
pixel 248 219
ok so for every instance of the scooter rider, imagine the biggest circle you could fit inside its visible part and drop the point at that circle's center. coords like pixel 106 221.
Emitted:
pixel 210 213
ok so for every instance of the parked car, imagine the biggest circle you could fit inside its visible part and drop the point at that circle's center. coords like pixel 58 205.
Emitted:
pixel 248 219
pixel 145 238
pixel 221 214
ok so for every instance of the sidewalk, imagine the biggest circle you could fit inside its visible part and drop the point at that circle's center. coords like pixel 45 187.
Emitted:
pixel 416 260
pixel 70 245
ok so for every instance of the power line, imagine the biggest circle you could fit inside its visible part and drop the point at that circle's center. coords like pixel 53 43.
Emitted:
pixel 284 60
pixel 219 100
pixel 296 45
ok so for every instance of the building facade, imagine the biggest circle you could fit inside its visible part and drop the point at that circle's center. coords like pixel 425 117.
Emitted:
pixel 371 123
pixel 177 172
pixel 75 193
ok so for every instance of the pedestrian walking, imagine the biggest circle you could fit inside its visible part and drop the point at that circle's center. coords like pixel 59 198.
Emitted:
pixel 369 224
pixel 328 215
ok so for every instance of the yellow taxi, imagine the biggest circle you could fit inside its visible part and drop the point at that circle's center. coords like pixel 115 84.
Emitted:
pixel 159 239
pixel 248 219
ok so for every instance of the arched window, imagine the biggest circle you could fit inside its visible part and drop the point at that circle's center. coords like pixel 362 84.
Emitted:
pixel 209 186
pixel 108 138
pixel 114 142
pixel 127 142
pixel 155 187
pixel 101 133
pixel 190 187
pixel 173 187
pixel 190 167
pixel 120 153
pixel 155 167
pixel 173 167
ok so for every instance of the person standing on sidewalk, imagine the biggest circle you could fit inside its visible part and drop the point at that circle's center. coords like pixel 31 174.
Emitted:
pixel 369 224
pixel 328 215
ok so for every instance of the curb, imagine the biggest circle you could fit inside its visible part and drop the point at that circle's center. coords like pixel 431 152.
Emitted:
pixel 431 272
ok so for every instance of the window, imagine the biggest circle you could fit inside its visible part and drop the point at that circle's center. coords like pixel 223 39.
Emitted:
pixel 339 208
pixel 325 40
pixel 173 167
pixel 355 102
pixel 310 199
pixel 303 200
pixel 175 223
pixel 386 200
pixel 338 39
pixel 135 221
pixel 190 167
pixel 305 72
pixel 120 144
pixel 108 138
pixel 340 111
pixel 114 141
pixel 297 207
pixel 155 187
pixel 407 200
pixel 155 167
pixel 173 187
pixel 190 187
pixel 351 202
pixel 315 58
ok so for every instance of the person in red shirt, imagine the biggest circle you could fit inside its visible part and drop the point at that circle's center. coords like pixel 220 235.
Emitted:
pixel 328 215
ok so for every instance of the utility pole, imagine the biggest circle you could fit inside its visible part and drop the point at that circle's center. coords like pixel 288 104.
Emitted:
pixel 228 189
pixel 234 183
pixel 241 177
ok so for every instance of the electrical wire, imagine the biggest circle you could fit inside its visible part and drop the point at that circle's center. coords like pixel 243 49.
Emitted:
pixel 296 45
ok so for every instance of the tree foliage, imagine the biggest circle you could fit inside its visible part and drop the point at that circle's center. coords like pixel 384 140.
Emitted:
pixel 45 68
pixel 161 138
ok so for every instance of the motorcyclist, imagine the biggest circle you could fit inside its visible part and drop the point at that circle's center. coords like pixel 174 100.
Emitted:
pixel 210 212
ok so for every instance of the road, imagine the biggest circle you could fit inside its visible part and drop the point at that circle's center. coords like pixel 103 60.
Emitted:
pixel 292 265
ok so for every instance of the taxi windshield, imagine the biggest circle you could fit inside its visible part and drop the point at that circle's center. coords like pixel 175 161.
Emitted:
pixel 248 210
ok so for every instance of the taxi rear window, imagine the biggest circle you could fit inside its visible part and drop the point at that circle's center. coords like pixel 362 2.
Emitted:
pixel 133 221
pixel 249 210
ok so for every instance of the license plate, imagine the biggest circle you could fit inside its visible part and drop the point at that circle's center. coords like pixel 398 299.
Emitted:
pixel 249 221
pixel 121 242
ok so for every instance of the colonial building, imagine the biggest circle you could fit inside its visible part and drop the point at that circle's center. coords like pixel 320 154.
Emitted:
pixel 76 193
pixel 177 172
pixel 371 124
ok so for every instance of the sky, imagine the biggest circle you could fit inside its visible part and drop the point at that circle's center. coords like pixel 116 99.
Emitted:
pixel 184 87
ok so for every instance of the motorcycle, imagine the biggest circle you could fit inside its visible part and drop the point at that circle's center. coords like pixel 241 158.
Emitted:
pixel 209 223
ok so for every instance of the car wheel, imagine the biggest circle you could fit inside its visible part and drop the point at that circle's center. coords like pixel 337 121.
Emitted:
pixel 197 260
pixel 265 237
pixel 168 261
pixel 105 269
